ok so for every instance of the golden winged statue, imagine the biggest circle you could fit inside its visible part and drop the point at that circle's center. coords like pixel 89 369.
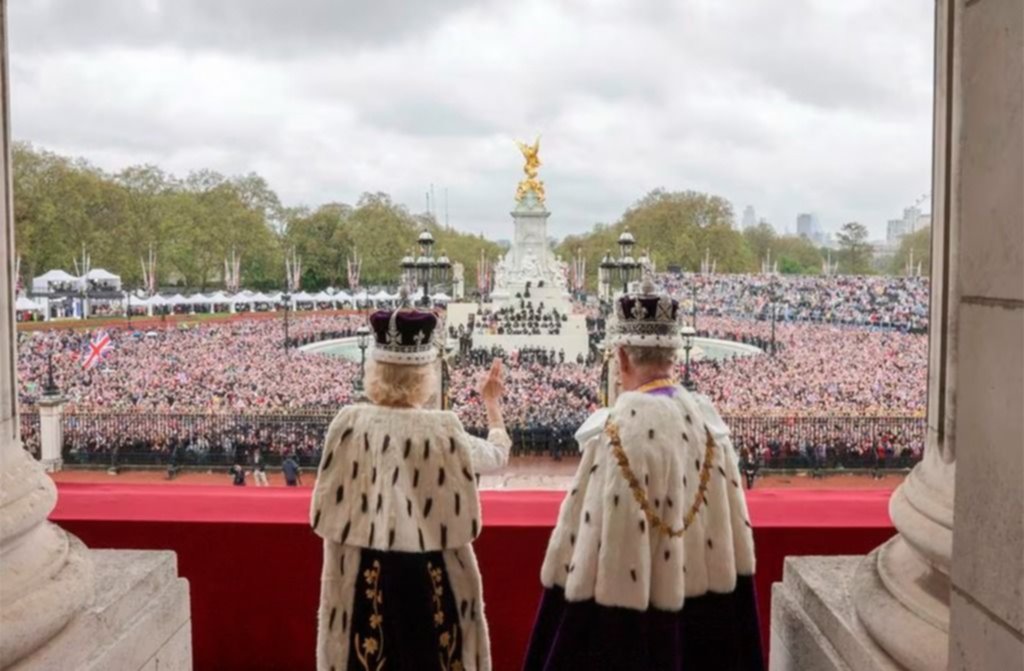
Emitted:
pixel 531 184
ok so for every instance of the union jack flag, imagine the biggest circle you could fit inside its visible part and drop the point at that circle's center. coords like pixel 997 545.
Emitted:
pixel 98 347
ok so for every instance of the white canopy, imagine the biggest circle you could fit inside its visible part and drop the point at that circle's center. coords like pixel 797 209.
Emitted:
pixel 101 275
pixel 199 299
pixel 25 304
pixel 440 297
pixel 361 297
pixel 382 296
pixel 324 297
pixel 177 299
pixel 302 297
pixel 342 297
pixel 219 298
pixel 156 300
pixel 260 298
pixel 41 284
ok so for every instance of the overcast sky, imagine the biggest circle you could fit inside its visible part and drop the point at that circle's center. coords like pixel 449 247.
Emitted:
pixel 786 105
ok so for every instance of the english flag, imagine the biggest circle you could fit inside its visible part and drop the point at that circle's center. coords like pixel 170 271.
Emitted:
pixel 98 346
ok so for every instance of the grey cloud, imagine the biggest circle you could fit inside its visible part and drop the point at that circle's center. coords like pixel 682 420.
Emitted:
pixel 259 27
pixel 789 106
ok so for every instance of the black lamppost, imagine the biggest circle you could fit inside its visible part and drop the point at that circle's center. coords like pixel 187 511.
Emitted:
pixel 693 305
pixel 129 310
pixel 628 266
pixel 286 300
pixel 50 388
pixel 425 270
pixel 775 299
pixel 363 340
pixel 688 333
pixel 605 269
pixel 624 269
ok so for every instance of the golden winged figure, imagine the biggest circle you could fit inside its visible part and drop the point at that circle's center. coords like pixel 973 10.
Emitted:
pixel 532 155
pixel 531 152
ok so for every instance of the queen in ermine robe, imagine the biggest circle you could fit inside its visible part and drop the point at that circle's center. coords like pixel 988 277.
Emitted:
pixel 396 505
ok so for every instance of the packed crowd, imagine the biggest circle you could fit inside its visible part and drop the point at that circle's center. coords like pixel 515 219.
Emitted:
pixel 242 366
pixel 239 366
pixel 899 303
pixel 526 319
pixel 193 440
pixel 241 369
pixel 817 370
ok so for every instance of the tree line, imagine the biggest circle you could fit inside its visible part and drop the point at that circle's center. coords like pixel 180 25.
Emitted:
pixel 193 223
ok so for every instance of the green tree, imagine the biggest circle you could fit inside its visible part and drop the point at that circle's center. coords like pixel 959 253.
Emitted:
pixel 679 228
pixel 854 250
pixel 761 240
pixel 797 255
pixel 916 247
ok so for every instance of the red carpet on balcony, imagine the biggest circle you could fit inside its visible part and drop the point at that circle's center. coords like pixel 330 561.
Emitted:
pixel 253 564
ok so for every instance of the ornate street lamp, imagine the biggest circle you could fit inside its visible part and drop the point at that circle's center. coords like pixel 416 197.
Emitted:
pixel 363 340
pixel 693 304
pixel 426 270
pixel 50 388
pixel 408 265
pixel 688 334
pixel 628 266
pixel 773 288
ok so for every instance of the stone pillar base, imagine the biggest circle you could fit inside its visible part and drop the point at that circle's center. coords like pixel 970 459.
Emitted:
pixel 814 620
pixel 52 465
pixel 139 620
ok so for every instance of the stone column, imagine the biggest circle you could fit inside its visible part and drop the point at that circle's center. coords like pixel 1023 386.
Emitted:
pixel 987 595
pixel 46 574
pixel 892 609
pixel 901 590
pixel 51 432
pixel 63 606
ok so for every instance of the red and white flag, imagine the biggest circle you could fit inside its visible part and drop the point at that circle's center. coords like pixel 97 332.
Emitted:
pixel 98 347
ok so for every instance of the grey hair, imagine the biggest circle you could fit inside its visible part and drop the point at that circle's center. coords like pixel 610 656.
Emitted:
pixel 400 385
pixel 650 357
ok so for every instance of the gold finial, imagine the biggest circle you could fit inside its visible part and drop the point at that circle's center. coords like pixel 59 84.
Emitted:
pixel 530 184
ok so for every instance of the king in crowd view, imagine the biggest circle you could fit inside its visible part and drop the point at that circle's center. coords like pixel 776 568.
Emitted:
pixel 841 381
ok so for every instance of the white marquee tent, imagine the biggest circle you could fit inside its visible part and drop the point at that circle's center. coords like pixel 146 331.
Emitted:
pixel 103 276
pixel 41 284
pixel 25 304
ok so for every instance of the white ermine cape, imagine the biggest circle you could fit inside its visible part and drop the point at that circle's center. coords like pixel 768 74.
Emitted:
pixel 402 480
pixel 603 547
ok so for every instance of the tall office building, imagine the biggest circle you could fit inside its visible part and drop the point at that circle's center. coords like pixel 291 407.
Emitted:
pixel 807 226
pixel 913 221
pixel 749 217
pixel 895 229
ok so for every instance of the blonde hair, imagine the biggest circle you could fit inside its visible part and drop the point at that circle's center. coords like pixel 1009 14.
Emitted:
pixel 400 385
pixel 651 357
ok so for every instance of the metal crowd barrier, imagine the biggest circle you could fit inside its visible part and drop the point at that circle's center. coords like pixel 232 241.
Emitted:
pixel 221 440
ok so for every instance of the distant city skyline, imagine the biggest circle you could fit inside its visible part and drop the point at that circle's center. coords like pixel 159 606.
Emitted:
pixel 339 99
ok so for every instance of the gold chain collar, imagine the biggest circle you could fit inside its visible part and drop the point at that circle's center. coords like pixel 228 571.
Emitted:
pixel 611 429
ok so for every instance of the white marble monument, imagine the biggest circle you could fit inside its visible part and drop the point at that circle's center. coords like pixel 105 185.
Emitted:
pixel 529 271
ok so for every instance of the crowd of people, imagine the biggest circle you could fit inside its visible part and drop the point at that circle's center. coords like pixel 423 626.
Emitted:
pixel 202 392
pixel 177 441
pixel 526 319
pixel 239 366
pixel 899 303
